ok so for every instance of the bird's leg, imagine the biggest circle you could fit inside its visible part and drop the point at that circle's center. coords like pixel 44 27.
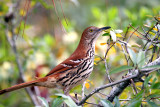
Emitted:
pixel 66 92
pixel 76 96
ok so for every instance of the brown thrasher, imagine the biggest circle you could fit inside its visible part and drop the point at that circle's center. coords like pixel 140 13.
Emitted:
pixel 74 70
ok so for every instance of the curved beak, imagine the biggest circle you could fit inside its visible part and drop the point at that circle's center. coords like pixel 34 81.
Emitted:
pixel 104 28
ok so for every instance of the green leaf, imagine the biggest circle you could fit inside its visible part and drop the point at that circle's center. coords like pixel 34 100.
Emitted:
pixel 43 100
pixel 68 100
pixel 147 80
pixel 112 13
pixel 2 105
pixel 49 39
pixel 116 101
pixel 152 104
pixel 141 58
pixel 106 103
pixel 133 56
pixel 136 102
pixel 96 12
pixel 151 67
pixel 57 102
pixel 120 69
pixel 106 34
pixel 156 86
pixel 153 95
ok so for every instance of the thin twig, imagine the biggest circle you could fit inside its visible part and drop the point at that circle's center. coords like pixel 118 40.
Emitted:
pixel 125 44
pixel 83 88
pixel 22 17
pixel 150 43
pixel 102 94
pixel 132 34
pixel 28 6
pixel 130 100
pixel 97 105
pixel 151 29
pixel 55 8
pixel 126 33
pixel 134 86
pixel 137 30
pixel 63 13
pixel 106 67
pixel 109 47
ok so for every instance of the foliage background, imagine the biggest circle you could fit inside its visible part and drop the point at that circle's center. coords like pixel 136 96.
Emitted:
pixel 45 44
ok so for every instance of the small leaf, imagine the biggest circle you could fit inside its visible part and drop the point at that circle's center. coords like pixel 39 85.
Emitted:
pixel 146 25
pixel 153 95
pixel 141 58
pixel 91 82
pixel 152 104
pixel 138 88
pixel 95 63
pixel 152 33
pixel 136 102
pixel 106 34
pixel 149 16
pixel 113 35
pixel 49 39
pixel 124 95
pixel 119 35
pixel 133 56
pixel 119 45
pixel 96 12
pixel 120 69
pixel 136 45
pixel 87 85
pixel 106 103
pixel 118 31
pixel 68 100
pixel 155 29
pixel 57 102
pixel 22 12
pixel 147 80
pixel 134 33
pixel 97 59
pixel 116 101
pixel 156 85
pixel 43 100
pixel 151 67
pixel 103 43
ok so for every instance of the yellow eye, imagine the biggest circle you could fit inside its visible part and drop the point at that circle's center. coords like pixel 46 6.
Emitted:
pixel 90 30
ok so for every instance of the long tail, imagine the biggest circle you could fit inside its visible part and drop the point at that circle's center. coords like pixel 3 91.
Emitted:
pixel 22 85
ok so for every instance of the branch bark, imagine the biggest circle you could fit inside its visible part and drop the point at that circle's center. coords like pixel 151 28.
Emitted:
pixel 117 90
pixel 123 83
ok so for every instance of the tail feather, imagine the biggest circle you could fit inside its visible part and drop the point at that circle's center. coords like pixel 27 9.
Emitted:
pixel 22 85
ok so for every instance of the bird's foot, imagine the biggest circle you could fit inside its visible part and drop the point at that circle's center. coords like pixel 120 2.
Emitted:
pixel 75 99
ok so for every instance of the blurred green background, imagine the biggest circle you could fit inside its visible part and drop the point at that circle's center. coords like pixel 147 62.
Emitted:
pixel 45 43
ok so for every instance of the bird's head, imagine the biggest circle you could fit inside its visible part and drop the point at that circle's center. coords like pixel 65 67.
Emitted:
pixel 91 33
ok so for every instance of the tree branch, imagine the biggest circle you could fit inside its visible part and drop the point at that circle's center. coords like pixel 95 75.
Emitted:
pixel 122 84
pixel 10 27
pixel 117 90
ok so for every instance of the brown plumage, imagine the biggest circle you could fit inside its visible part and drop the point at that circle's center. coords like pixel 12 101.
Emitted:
pixel 74 70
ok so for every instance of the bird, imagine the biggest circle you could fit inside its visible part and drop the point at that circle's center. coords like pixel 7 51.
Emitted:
pixel 72 71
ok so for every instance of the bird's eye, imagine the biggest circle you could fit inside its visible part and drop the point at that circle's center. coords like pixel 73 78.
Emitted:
pixel 91 30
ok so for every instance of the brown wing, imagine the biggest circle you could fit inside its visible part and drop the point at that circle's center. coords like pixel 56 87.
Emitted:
pixel 69 63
